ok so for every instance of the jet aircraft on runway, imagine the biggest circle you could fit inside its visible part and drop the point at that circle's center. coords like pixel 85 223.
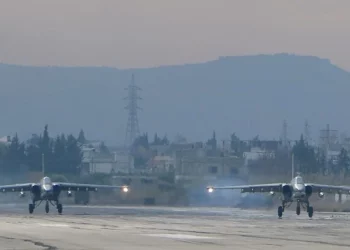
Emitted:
pixel 49 191
pixel 296 190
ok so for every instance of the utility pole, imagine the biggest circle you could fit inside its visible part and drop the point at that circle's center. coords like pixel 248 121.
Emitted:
pixel 307 138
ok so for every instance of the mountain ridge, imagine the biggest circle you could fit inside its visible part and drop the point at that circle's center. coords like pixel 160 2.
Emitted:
pixel 248 95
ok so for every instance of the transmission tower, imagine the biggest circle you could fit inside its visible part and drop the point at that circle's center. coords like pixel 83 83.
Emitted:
pixel 132 130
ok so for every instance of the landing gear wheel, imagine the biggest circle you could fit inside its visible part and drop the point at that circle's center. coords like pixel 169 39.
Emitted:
pixel 59 208
pixel 310 211
pixel 298 210
pixel 47 208
pixel 31 208
pixel 280 211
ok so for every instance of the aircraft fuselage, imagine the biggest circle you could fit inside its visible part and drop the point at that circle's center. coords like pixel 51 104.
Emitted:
pixel 46 191
pixel 296 190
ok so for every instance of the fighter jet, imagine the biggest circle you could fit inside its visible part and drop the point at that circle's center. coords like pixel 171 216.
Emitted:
pixel 297 190
pixel 49 191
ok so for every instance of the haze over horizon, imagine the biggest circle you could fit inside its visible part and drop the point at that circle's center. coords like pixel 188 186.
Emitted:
pixel 139 34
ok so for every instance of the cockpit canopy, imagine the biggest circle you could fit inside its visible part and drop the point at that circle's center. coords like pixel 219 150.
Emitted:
pixel 46 181
pixel 299 180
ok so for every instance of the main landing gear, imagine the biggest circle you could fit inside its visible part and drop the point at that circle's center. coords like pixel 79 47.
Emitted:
pixel 309 209
pixel 32 206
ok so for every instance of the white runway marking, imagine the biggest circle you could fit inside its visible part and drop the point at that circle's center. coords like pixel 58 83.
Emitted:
pixel 52 225
pixel 182 236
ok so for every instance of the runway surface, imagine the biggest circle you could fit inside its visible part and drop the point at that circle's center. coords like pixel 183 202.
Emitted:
pixel 145 228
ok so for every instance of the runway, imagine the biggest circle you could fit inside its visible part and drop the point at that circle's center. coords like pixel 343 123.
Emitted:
pixel 145 228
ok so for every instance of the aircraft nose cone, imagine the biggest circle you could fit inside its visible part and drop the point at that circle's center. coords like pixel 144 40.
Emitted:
pixel 47 188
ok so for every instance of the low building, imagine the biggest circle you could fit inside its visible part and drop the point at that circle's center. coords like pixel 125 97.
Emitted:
pixel 256 154
pixel 5 140
pixel 108 163
pixel 195 164
pixel 124 162
pixel 161 164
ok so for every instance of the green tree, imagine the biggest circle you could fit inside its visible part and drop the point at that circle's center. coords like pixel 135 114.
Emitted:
pixel 140 151
pixel 103 148
pixel 34 157
pixel 305 157
pixel 160 141
pixel 81 137
pixel 235 142
pixel 165 140
pixel 59 154
pixel 46 149
pixel 238 146
pixel 73 156
pixel 212 141
pixel 15 156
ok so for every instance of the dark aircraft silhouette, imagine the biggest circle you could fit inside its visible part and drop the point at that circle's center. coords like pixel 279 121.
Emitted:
pixel 49 191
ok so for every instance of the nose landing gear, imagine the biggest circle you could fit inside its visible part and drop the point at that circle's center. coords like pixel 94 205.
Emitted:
pixel 298 208
pixel 47 207
pixel 59 208
pixel 31 208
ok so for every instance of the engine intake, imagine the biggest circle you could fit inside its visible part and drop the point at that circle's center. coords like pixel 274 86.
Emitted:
pixel 56 189
pixel 321 194
pixel 35 190
pixel 287 191
pixel 308 190
pixel 22 194
pixel 69 193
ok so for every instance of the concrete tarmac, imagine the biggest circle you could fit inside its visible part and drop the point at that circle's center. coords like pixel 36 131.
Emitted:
pixel 145 228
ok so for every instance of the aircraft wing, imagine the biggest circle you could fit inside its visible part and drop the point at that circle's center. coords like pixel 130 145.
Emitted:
pixel 17 187
pixel 260 188
pixel 329 188
pixel 88 187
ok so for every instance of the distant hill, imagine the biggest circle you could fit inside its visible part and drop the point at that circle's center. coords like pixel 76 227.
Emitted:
pixel 248 95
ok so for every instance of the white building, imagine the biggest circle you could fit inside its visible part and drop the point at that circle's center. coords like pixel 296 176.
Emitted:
pixel 96 162
pixel 162 164
pixel 5 140
pixel 256 154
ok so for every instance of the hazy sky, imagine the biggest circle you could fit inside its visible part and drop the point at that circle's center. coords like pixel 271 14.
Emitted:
pixel 143 33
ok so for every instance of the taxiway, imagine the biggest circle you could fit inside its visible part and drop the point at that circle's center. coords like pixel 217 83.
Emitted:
pixel 146 228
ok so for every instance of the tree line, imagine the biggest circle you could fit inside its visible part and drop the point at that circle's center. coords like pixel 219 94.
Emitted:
pixel 60 155
pixel 307 159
